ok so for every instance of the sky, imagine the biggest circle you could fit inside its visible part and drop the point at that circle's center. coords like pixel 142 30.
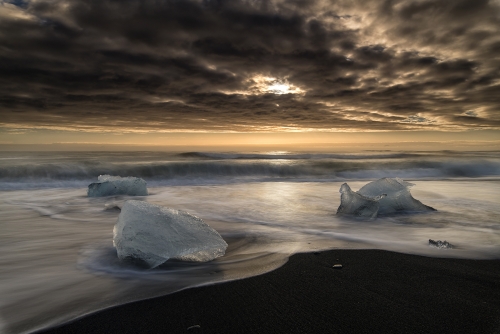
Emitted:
pixel 240 71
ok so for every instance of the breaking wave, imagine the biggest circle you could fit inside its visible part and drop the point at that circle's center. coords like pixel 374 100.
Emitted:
pixel 77 170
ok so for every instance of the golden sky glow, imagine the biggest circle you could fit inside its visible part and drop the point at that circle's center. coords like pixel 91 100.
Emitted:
pixel 349 141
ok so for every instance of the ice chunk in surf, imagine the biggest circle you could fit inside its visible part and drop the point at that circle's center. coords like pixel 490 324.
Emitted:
pixel 383 196
pixel 149 234
pixel 398 199
pixel 108 185
pixel 352 203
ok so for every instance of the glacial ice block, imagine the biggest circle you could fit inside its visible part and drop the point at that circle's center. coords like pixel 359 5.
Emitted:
pixel 352 203
pixel 398 197
pixel 383 196
pixel 108 185
pixel 150 234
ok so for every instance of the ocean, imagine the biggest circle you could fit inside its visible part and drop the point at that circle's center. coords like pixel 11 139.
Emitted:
pixel 57 261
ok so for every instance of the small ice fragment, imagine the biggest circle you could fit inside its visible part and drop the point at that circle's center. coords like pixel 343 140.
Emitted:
pixel 352 203
pixel 108 185
pixel 337 266
pixel 398 197
pixel 440 244
pixel 150 234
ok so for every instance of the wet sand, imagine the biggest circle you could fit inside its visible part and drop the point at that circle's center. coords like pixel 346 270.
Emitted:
pixel 374 292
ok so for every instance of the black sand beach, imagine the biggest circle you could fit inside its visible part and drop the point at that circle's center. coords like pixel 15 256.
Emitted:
pixel 374 292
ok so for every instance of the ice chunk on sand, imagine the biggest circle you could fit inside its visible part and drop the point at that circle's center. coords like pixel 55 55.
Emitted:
pixel 352 203
pixel 150 234
pixel 383 196
pixel 398 197
pixel 108 185
pixel 440 244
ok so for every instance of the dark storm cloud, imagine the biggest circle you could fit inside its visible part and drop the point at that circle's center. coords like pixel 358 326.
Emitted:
pixel 218 65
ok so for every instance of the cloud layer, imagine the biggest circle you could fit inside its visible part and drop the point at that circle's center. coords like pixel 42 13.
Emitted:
pixel 250 65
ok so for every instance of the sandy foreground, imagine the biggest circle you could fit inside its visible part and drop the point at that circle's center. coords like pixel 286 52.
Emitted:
pixel 374 292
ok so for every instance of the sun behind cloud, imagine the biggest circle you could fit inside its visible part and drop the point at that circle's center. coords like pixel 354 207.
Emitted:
pixel 265 85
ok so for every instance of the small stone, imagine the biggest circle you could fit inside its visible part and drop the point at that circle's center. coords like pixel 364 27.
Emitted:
pixel 337 266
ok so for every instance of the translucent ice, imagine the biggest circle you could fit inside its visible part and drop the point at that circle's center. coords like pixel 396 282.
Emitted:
pixel 150 234
pixel 352 203
pixel 108 185
pixel 398 197
pixel 383 196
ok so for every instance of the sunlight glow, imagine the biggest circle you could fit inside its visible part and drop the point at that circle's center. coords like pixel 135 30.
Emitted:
pixel 279 89
pixel 266 85
pixel 260 84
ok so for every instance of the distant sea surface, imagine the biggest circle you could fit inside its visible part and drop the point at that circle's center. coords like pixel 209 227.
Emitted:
pixel 57 261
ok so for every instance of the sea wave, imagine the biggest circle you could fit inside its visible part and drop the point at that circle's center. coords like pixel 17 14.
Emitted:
pixel 200 168
pixel 216 169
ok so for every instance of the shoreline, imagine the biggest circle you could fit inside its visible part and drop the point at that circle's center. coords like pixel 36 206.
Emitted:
pixel 374 291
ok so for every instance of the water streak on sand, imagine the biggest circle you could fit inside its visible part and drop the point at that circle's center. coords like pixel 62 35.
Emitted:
pixel 57 260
